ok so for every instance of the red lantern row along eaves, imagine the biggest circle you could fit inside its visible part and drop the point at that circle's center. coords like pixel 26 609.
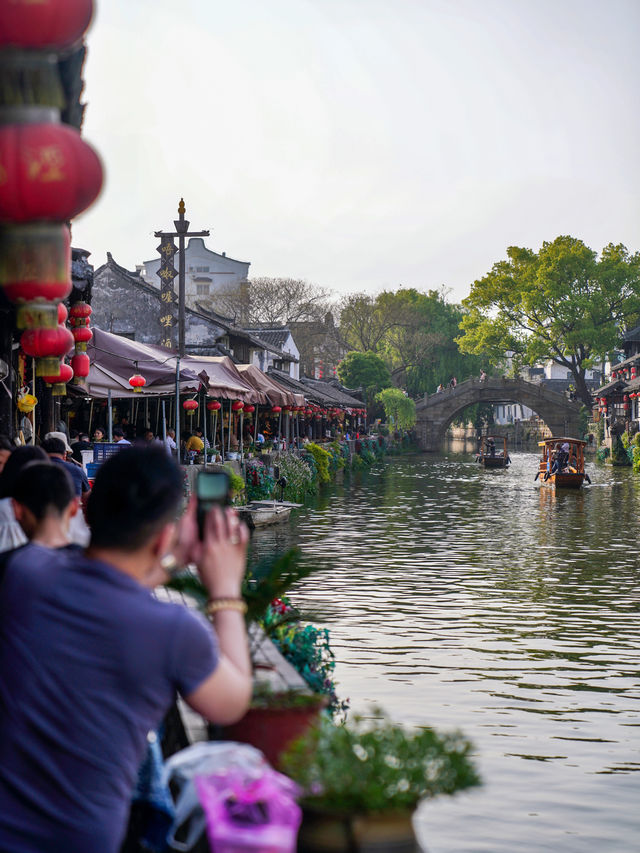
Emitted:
pixel 48 174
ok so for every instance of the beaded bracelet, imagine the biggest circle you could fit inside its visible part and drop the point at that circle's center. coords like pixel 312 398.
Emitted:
pixel 217 604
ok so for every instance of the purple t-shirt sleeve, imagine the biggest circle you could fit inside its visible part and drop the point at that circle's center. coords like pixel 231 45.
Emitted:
pixel 195 651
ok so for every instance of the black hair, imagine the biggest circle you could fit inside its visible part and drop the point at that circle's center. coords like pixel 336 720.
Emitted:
pixel 43 488
pixel 20 457
pixel 54 445
pixel 136 492
pixel 117 431
pixel 6 443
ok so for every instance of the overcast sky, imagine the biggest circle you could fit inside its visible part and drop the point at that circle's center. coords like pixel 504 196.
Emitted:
pixel 364 144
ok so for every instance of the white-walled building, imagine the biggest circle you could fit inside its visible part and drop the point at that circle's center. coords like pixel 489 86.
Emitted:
pixel 281 339
pixel 206 272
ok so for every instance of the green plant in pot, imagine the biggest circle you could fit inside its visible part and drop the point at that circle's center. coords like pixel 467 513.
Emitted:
pixel 277 714
pixel 363 781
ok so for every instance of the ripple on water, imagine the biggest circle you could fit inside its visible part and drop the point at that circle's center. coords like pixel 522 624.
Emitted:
pixel 479 600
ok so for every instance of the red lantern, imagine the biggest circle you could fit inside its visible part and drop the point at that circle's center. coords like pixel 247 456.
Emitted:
pixel 625 403
pixel 249 409
pixel 276 410
pixel 213 406
pixel 80 311
pixel 137 382
pixel 80 364
pixel 190 406
pixel 237 406
pixel 634 371
pixel 47 24
pixel 49 173
pixel 62 313
pixel 36 270
pixel 59 380
pixel 48 346
pixel 81 335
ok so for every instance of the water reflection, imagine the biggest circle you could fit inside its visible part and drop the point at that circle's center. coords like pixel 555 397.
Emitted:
pixel 482 600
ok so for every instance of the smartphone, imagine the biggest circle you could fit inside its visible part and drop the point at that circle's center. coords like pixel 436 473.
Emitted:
pixel 212 488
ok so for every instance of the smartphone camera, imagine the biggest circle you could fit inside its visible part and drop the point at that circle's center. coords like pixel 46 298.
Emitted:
pixel 212 488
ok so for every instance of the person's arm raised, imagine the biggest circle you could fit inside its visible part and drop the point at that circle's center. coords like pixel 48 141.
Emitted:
pixel 221 560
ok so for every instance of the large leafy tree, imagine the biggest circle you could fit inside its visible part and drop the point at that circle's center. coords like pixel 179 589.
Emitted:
pixel 561 303
pixel 413 332
pixel 364 370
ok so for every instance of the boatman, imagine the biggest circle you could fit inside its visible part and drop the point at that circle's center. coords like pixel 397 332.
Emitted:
pixel 90 661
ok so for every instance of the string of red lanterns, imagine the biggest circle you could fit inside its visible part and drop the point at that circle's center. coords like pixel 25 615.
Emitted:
pixel 49 175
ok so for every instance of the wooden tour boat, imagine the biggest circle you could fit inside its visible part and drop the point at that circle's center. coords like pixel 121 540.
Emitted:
pixel 488 456
pixel 571 474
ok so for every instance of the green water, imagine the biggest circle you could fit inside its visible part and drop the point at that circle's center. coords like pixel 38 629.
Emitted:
pixel 483 601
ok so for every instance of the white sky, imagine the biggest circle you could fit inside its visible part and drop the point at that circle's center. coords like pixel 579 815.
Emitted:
pixel 364 144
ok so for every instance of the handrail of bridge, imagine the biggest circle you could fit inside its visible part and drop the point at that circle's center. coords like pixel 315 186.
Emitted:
pixel 491 382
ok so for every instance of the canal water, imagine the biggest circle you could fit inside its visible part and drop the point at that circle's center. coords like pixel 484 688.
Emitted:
pixel 459 598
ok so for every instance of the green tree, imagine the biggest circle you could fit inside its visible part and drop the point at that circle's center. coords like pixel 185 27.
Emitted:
pixel 364 370
pixel 414 333
pixel 561 303
pixel 398 407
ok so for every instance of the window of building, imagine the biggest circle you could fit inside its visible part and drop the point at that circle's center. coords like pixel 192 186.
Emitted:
pixel 202 289
pixel 202 269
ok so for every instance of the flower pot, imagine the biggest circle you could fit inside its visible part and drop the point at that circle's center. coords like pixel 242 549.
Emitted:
pixel 272 729
pixel 325 832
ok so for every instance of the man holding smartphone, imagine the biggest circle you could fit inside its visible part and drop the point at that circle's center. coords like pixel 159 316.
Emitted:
pixel 90 661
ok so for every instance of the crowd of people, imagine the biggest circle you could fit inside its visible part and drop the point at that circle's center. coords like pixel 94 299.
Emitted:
pixel 90 659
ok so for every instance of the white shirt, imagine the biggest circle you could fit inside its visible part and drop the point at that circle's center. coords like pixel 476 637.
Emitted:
pixel 170 445
pixel 11 534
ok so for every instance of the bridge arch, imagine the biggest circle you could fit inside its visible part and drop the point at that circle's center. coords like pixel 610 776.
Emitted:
pixel 435 413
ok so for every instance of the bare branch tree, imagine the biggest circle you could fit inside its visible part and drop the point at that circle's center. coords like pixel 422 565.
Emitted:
pixel 271 301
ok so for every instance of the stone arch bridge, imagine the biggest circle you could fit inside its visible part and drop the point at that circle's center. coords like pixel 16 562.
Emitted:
pixel 435 413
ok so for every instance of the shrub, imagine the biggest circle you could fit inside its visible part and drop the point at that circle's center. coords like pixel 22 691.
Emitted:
pixel 298 475
pixel 375 766
pixel 321 458
pixel 260 483
pixel 236 483
pixel 307 648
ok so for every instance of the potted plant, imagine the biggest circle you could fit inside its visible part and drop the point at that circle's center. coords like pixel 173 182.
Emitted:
pixel 363 780
pixel 277 715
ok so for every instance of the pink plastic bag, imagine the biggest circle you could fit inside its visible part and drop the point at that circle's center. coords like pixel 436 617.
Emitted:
pixel 246 814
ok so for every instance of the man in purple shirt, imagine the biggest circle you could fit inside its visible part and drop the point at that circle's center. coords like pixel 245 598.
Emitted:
pixel 90 660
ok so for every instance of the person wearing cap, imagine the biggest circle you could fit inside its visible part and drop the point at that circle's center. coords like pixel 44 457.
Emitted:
pixel 57 448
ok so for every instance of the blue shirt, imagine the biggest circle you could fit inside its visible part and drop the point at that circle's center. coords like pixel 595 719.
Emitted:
pixel 89 664
pixel 77 474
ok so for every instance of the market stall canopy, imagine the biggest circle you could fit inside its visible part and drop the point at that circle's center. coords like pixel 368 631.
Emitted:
pixel 276 393
pixel 222 379
pixel 114 359
pixel 296 386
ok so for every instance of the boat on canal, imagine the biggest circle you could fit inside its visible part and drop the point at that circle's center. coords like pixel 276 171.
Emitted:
pixel 264 513
pixel 489 456
pixel 570 473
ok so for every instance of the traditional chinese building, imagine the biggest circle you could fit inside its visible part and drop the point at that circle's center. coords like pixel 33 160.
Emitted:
pixel 125 304
pixel 206 272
